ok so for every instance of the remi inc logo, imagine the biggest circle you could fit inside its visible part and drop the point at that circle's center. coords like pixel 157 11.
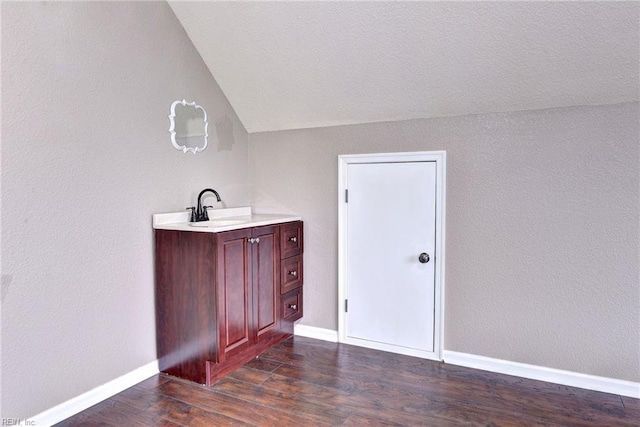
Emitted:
pixel 16 422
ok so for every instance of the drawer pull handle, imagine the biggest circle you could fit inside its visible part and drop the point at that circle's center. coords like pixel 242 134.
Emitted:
pixel 293 273
pixel 293 239
pixel 293 306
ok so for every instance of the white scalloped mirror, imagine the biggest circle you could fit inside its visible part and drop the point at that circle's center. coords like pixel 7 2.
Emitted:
pixel 188 126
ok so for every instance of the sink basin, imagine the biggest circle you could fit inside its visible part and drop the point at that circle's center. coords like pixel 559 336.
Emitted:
pixel 218 222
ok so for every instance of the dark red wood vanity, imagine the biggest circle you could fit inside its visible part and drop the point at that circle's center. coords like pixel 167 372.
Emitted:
pixel 223 298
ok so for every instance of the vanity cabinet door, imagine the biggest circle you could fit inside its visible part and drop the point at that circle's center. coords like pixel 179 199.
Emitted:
pixel 234 292
pixel 265 257
pixel 248 287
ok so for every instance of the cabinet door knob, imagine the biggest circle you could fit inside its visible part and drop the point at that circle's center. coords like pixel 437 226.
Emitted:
pixel 257 239
pixel 293 306
pixel 251 240
pixel 424 258
pixel 293 273
pixel 293 239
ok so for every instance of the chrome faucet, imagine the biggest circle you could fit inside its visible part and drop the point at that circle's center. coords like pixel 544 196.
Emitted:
pixel 200 212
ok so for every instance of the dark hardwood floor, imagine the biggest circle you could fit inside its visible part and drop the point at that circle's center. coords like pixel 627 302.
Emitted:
pixel 305 382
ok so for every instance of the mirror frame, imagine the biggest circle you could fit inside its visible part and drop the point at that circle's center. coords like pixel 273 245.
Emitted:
pixel 172 127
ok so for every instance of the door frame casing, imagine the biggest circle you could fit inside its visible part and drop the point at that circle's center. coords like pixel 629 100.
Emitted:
pixel 439 157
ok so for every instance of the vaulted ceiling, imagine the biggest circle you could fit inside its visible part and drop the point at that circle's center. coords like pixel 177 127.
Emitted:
pixel 287 65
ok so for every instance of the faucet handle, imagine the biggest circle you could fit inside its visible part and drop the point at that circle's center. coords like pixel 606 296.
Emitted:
pixel 193 213
pixel 205 214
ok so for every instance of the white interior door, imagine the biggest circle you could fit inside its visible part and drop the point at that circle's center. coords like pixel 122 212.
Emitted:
pixel 389 271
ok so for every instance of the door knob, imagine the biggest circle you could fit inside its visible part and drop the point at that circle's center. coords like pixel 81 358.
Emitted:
pixel 424 258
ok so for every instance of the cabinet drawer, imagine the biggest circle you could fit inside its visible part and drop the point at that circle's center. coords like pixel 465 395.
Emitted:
pixel 292 305
pixel 290 273
pixel 291 239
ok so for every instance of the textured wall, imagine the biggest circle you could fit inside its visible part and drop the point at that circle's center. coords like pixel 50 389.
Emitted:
pixel 542 227
pixel 86 161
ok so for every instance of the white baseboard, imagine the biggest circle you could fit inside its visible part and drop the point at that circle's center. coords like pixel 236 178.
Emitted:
pixel 97 395
pixel 523 370
pixel 556 376
pixel 317 333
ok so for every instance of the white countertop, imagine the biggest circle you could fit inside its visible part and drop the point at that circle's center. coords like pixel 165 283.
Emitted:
pixel 220 220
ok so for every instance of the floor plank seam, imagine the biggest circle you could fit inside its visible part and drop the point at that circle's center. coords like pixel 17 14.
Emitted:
pixel 195 405
pixel 622 401
pixel 255 403
pixel 265 380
